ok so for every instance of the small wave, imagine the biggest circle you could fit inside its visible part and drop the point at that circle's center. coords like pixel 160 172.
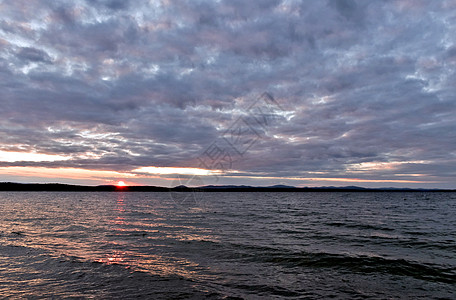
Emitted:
pixel 28 273
pixel 71 228
pixel 359 264
pixel 359 226
pixel 365 264
pixel 262 289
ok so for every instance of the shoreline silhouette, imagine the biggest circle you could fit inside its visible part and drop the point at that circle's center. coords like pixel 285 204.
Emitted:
pixel 59 187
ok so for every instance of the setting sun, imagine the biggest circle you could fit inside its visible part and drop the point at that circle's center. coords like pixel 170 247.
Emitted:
pixel 121 184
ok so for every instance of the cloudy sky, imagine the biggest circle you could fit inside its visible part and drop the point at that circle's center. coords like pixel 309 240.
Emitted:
pixel 306 93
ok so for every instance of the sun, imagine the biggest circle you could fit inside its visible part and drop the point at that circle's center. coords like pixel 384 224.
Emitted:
pixel 121 184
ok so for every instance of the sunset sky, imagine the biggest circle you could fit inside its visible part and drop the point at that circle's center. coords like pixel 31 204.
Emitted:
pixel 351 92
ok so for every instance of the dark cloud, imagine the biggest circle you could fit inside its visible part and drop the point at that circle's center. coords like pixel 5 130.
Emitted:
pixel 351 10
pixel 114 4
pixel 33 55
pixel 367 87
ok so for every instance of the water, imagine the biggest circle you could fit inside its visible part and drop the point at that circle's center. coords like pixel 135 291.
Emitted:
pixel 245 245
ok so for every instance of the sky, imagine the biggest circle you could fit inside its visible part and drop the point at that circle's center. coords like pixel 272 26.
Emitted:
pixel 302 93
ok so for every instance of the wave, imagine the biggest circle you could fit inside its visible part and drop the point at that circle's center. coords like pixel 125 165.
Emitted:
pixel 358 264
pixel 35 273
pixel 364 264
pixel 359 226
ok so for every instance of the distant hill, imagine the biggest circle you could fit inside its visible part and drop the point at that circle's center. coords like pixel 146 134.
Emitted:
pixel 58 187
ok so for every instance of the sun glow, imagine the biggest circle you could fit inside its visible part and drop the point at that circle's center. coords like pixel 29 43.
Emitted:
pixel 175 170
pixel 12 156
pixel 372 166
pixel 121 184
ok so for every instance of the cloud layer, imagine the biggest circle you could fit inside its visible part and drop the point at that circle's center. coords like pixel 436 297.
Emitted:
pixel 367 87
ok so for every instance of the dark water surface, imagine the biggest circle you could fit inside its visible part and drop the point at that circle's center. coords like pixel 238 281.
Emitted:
pixel 247 245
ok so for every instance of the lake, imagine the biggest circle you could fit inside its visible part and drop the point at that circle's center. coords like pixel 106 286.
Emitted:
pixel 313 245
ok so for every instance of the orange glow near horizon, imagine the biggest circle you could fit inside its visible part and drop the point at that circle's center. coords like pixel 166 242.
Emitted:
pixel 176 170
pixel 63 175
pixel 334 179
pixel 133 177
pixel 14 156
pixel 71 173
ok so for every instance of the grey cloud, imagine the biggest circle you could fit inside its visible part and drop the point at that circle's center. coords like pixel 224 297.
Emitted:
pixel 366 82
pixel 351 10
pixel 33 54
pixel 113 4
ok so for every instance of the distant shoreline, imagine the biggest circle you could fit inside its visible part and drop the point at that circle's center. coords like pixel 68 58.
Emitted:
pixel 57 187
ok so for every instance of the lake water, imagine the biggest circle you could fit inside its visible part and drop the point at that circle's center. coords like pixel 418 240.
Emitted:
pixel 228 245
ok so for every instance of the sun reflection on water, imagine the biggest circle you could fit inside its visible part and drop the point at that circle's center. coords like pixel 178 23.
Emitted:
pixel 143 241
